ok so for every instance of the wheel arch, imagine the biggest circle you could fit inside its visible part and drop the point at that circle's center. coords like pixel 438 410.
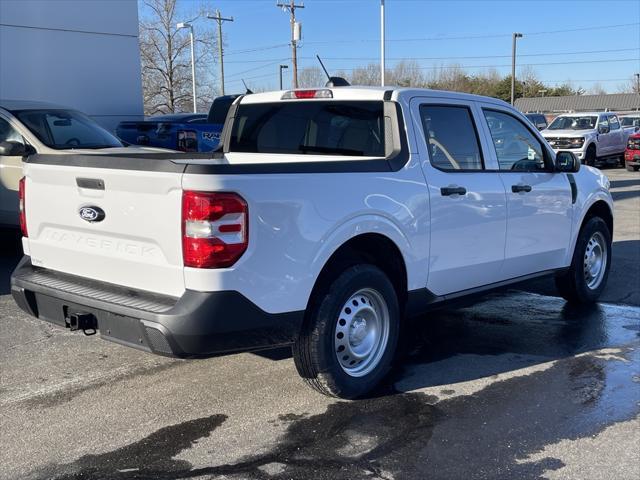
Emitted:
pixel 370 247
pixel 601 209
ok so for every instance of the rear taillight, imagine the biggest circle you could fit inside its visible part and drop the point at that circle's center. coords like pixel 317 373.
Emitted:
pixel 22 209
pixel 187 141
pixel 215 229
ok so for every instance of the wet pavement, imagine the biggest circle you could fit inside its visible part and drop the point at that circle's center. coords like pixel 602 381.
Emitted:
pixel 482 391
pixel 520 386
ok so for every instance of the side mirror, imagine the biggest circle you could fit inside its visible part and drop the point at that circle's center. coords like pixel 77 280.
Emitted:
pixel 567 162
pixel 15 149
pixel 603 129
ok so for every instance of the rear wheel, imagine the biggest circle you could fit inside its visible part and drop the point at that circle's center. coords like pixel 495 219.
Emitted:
pixel 587 276
pixel 350 334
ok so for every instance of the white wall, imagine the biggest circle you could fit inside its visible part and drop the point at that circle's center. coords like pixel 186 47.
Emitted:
pixel 78 53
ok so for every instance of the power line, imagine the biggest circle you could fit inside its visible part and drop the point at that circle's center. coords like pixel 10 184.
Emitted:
pixel 280 60
pixel 484 56
pixel 251 78
pixel 469 57
pixel 257 49
pixel 509 65
pixel 474 37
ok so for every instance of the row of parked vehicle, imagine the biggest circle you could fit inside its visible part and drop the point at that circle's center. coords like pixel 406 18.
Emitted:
pixel 596 138
pixel 327 218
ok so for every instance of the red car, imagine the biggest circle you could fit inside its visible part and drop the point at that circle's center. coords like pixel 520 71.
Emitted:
pixel 632 153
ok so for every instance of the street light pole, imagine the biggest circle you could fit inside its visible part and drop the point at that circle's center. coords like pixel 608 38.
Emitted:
pixel 513 67
pixel 382 67
pixel 193 63
pixel 280 68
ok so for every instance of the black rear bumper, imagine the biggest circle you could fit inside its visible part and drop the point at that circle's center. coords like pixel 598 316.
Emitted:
pixel 196 324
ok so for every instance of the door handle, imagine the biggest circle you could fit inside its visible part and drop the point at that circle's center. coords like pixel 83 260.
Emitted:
pixel 453 190
pixel 520 188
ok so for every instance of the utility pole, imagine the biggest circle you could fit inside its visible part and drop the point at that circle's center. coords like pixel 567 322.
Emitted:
pixel 382 67
pixel 291 7
pixel 513 67
pixel 280 68
pixel 219 18
pixel 638 83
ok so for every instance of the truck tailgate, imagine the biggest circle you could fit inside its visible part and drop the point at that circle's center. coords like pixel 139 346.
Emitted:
pixel 138 242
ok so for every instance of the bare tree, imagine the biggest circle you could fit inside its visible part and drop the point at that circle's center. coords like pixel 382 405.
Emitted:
pixel 631 86
pixel 311 77
pixel 166 59
pixel 597 89
pixel 406 73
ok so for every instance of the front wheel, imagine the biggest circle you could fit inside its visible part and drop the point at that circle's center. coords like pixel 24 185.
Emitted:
pixel 587 276
pixel 350 334
pixel 590 156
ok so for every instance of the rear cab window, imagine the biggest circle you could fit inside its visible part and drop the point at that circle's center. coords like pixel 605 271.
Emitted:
pixel 451 137
pixel 315 127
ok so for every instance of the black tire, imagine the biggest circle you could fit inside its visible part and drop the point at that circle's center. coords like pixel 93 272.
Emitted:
pixel 632 168
pixel 572 284
pixel 590 156
pixel 314 352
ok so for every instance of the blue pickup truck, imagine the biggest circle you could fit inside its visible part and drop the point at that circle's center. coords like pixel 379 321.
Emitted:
pixel 187 132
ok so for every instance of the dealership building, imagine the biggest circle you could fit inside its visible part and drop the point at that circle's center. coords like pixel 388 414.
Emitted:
pixel 80 54
pixel 613 102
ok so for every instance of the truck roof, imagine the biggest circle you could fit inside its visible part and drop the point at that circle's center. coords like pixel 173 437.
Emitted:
pixel 30 105
pixel 373 93
pixel 582 114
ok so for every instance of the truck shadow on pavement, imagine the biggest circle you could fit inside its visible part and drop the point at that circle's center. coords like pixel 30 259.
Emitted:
pixel 504 379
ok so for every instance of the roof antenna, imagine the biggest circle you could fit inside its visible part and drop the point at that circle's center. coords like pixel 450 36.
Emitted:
pixel 323 68
pixel 248 90
pixel 332 81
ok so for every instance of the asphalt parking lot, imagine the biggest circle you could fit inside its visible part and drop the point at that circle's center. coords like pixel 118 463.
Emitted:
pixel 520 386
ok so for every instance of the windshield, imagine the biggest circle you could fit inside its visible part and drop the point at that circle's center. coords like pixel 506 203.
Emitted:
pixel 630 121
pixel 312 128
pixel 574 123
pixel 66 129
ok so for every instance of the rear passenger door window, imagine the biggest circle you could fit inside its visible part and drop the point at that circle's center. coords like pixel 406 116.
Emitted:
pixel 451 137
pixel 515 145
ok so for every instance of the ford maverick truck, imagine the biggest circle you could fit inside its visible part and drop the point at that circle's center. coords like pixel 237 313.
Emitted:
pixel 328 217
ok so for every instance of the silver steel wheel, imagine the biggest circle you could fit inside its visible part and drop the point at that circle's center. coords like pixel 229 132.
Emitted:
pixel 595 260
pixel 362 332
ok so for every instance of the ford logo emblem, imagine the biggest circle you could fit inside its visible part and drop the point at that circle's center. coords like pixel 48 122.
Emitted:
pixel 92 214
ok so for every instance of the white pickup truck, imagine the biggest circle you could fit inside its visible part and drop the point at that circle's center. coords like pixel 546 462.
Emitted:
pixel 594 137
pixel 329 217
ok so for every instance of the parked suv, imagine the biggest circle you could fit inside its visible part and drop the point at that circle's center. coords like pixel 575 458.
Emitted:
pixel 593 137
pixel 328 218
